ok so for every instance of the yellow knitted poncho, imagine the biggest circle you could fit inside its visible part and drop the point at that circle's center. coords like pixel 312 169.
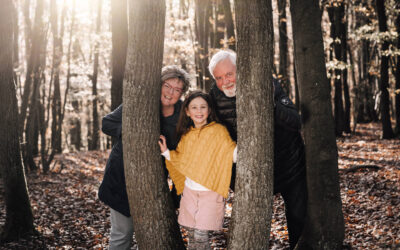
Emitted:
pixel 204 155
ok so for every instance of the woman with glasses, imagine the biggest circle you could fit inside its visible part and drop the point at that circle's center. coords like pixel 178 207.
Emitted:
pixel 174 83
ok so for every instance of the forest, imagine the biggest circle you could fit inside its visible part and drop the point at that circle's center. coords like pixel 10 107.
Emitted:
pixel 66 64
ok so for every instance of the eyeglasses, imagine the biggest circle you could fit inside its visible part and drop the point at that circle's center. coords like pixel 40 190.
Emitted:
pixel 174 90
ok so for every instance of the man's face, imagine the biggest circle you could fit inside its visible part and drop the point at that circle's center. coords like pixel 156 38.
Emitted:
pixel 225 76
pixel 171 91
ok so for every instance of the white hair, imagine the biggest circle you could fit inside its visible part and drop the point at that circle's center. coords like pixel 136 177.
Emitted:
pixel 220 56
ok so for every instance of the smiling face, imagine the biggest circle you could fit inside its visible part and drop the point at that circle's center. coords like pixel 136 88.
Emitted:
pixel 225 76
pixel 171 91
pixel 198 111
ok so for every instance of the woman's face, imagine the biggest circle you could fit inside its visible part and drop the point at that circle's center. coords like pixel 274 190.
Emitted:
pixel 171 91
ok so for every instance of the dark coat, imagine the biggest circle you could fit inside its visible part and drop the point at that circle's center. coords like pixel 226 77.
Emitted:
pixel 112 190
pixel 289 154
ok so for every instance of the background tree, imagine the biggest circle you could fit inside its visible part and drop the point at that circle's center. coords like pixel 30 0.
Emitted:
pixel 324 228
pixel 384 73
pixel 151 206
pixel 336 11
pixel 202 32
pixel 58 34
pixel 119 27
pixel 31 96
pixel 94 142
pixel 283 46
pixel 230 27
pixel 397 73
pixel 19 218
pixel 251 220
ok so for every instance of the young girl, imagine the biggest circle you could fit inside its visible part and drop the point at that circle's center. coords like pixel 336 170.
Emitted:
pixel 201 168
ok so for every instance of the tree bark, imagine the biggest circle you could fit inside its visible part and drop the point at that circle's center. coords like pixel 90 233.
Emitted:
pixel 94 142
pixel 35 68
pixel 56 139
pixel 219 24
pixel 324 228
pixel 202 34
pixel 336 15
pixel 384 83
pixel 19 218
pixel 230 27
pixel 283 46
pixel 397 75
pixel 250 224
pixel 119 26
pixel 150 204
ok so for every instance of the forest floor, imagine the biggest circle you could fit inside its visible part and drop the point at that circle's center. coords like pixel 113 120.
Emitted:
pixel 68 214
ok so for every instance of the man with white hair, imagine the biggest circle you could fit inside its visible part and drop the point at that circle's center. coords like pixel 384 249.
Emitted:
pixel 289 154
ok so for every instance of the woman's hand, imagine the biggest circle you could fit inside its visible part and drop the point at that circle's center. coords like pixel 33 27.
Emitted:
pixel 163 143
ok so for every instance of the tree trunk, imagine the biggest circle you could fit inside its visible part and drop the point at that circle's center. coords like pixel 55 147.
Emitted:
pixel 16 43
pixel 250 224
pixel 94 145
pixel 30 43
pixel 230 28
pixel 19 218
pixel 336 15
pixel 75 126
pixel 202 35
pixel 119 26
pixel 324 228
pixel 36 68
pixel 219 24
pixel 56 139
pixel 283 47
pixel 397 75
pixel 384 84
pixel 150 204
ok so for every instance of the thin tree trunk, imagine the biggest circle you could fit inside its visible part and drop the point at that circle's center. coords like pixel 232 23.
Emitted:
pixel 28 80
pixel 324 228
pixel 397 75
pixel 336 15
pixel 36 69
pixel 150 204
pixel 56 139
pixel 202 34
pixel 251 221
pixel 95 116
pixel 119 26
pixel 19 218
pixel 384 83
pixel 219 24
pixel 283 46
pixel 230 27
pixel 75 126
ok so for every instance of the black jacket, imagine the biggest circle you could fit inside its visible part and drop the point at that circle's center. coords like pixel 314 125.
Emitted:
pixel 289 154
pixel 112 190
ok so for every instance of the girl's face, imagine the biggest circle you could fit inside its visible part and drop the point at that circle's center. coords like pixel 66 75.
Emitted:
pixel 198 111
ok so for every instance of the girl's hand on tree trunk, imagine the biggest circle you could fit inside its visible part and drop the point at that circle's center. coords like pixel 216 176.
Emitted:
pixel 163 143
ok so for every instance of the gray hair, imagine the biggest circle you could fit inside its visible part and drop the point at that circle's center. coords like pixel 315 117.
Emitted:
pixel 173 71
pixel 220 56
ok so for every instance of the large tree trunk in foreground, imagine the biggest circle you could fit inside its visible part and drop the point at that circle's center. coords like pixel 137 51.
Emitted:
pixel 150 204
pixel 250 225
pixel 19 218
pixel 324 228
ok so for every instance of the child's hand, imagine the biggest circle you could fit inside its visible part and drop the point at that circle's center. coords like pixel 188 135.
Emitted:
pixel 163 143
